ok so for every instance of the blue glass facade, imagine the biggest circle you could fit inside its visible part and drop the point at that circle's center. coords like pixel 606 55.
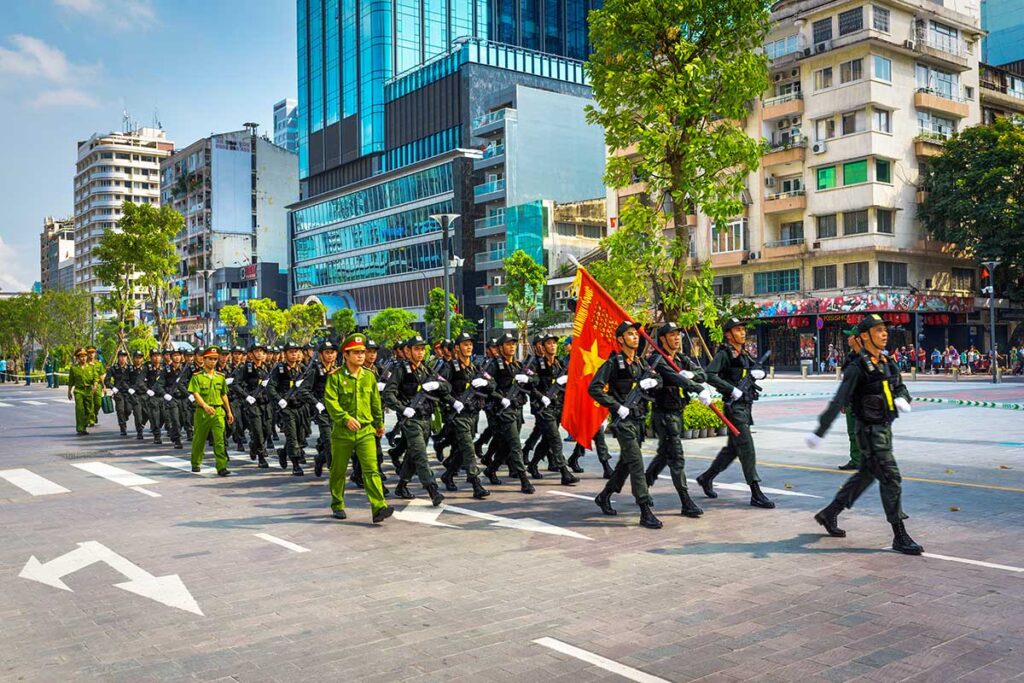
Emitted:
pixel 377 264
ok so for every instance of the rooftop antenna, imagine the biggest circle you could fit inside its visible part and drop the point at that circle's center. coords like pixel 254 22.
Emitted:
pixel 156 119
pixel 251 127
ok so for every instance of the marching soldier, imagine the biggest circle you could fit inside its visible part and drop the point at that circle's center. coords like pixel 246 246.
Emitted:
pixel 210 391
pixel 98 392
pixel 118 380
pixel 618 385
pixel 853 341
pixel 353 404
pixel 82 381
pixel 283 393
pixel 667 417
pixel 730 366
pixel 873 389
pixel 470 386
pixel 313 385
pixel 250 383
pixel 192 365
pixel 170 374
pixel 514 383
pixel 551 381
pixel 135 397
pixel 535 361
pixel 238 429
pixel 151 392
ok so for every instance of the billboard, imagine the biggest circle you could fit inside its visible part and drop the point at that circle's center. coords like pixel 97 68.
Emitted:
pixel 231 190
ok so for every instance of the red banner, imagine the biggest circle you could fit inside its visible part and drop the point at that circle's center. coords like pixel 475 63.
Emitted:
pixel 593 340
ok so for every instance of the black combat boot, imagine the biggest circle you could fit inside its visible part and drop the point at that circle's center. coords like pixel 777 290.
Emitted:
pixel 177 444
pixel 296 468
pixel 902 542
pixel 263 464
pixel 492 477
pixel 402 490
pixel 533 469
pixel 124 431
pixel 479 492
pixel 758 499
pixel 567 477
pixel 318 465
pixel 339 514
pixel 383 513
pixel 647 518
pixel 139 436
pixel 829 518
pixel 448 479
pixel 436 497
pixel 157 440
pixel 707 483
pixel 604 501
pixel 253 452
pixel 282 458
pixel 240 445
pixel 574 464
pixel 607 469
pixel 524 483
pixel 302 456
pixel 689 508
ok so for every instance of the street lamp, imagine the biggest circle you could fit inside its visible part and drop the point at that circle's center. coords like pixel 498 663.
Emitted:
pixel 993 355
pixel 445 220
pixel 206 273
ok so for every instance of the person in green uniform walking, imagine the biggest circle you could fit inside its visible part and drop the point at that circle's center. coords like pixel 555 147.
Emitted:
pixel 352 400
pixel 82 380
pixel 210 390
pixel 97 394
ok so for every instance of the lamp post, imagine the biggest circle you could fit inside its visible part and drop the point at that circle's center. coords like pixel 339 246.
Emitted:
pixel 206 273
pixel 445 220
pixel 993 355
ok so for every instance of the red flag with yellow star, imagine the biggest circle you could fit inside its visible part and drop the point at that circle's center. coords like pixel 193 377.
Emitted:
pixel 593 340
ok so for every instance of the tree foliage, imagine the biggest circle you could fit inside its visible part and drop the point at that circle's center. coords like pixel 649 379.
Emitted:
pixel 53 321
pixel 391 325
pixel 433 315
pixel 524 286
pixel 343 323
pixel 269 322
pixel 976 197
pixel 233 317
pixel 303 321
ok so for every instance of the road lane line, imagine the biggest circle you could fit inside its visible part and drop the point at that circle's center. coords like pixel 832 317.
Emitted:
pixel 32 483
pixel 572 495
pixel 614 667
pixel 151 494
pixel 964 560
pixel 283 543
pixel 34 403
pixel 179 464
pixel 114 474
pixel 5 405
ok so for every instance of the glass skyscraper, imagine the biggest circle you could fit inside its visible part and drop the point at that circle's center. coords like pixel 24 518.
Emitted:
pixel 349 49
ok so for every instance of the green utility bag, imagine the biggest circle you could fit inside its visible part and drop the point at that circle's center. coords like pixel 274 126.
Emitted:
pixel 107 405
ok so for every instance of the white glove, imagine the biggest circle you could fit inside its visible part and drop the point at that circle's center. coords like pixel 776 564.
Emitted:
pixel 229 380
pixel 191 398
pixel 131 391
pixel 545 400
pixel 704 396
pixel 736 394
pixel 757 373
pixel 458 406
pixel 522 379
pixel 431 386
pixel 409 412
pixel 505 403
pixel 265 382
pixel 902 404
pixel 563 380
pixel 686 374
pixel 812 440
pixel 648 383
pixel 380 386
pixel 113 390
pixel 150 392
pixel 283 403
pixel 479 382
pixel 299 383
pixel 622 412
pixel 319 407
pixel 250 400
pixel 168 397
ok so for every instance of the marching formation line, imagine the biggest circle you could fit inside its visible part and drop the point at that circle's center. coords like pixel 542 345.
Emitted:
pixel 295 547
pixel 610 665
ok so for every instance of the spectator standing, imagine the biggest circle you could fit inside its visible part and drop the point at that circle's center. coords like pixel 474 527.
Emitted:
pixel 3 370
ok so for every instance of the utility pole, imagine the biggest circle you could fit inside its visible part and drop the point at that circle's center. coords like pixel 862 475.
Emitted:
pixel 207 341
pixel 993 352
pixel 445 220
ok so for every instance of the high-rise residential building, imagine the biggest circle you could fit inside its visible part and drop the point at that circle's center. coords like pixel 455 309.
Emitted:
pixel 57 254
pixel 861 96
pixel 1004 22
pixel 112 169
pixel 374 174
pixel 1002 92
pixel 232 190
pixel 286 125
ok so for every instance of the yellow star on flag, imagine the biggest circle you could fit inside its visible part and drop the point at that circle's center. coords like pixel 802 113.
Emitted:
pixel 591 360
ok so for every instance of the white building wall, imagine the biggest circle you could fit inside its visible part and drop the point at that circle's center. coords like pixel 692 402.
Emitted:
pixel 277 186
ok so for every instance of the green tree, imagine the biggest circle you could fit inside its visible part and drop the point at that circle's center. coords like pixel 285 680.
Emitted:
pixel 433 315
pixel 269 322
pixel 548 318
pixel 672 83
pixel 15 335
pixel 343 323
pixel 524 286
pixel 976 198
pixel 391 325
pixel 303 321
pixel 232 317
pixel 141 338
pixel 62 322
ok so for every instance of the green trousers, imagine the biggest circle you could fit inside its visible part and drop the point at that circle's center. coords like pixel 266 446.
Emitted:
pixel 629 434
pixel 851 432
pixel 84 409
pixel 363 445
pixel 876 462
pixel 204 424
pixel 741 446
pixel 551 438
pixel 415 432
pixel 463 453
pixel 97 400
pixel 668 426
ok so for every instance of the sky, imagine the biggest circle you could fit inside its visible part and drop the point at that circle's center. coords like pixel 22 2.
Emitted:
pixel 70 68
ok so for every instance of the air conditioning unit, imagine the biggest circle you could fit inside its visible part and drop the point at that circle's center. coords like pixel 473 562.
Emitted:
pixel 816 245
pixel 778 77
pixel 558 294
pixel 823 46
pixel 769 180
pixel 783 124
pixel 498 280
pixel 794 72
pixel 909 44
pixel 754 255
pixel 807 52
pixel 819 147
pixel 795 121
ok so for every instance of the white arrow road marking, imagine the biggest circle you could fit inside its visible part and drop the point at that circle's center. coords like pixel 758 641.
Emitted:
pixel 179 464
pixel 32 482
pixel 34 403
pixel 6 405
pixel 424 512
pixel 283 543
pixel 118 476
pixel 964 560
pixel 167 590
pixel 740 486
pixel 626 672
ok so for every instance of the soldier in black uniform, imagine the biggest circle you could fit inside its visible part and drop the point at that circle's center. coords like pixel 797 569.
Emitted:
pixel 283 393
pixel 470 387
pixel 731 364
pixel 534 362
pixel 237 429
pixel 483 441
pixel 873 388
pixel 412 392
pixel 118 380
pixel 514 384
pixel 249 383
pixel 624 376
pixel 313 393
pixel 171 371
pixel 551 381
pixel 150 390
pixel 135 398
pixel 677 389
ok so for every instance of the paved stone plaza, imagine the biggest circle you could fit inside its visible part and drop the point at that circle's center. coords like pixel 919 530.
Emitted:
pixel 117 566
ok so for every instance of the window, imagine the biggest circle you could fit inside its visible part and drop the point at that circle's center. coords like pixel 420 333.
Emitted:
pixel 968 93
pixel 851 21
pixel 826 178
pixel 823 78
pixel 939 82
pixel 883 68
pixel 732 237
pixel 855 274
pixel 854 121
pixel 777 281
pixel 882 120
pixel 852 70
pixel 963 279
pixel 880 19
pixel 824 277
pixel 855 172
pixel 883 171
pixel 886 218
pixel 728 284
pixel 855 222
pixel 792 232
pixel 944 37
pixel 788 88
pixel 782 46
pixel 933 126
pixel 892 274
pixel 822 30
pixel 824 129
pixel 827 226
pixel 791 184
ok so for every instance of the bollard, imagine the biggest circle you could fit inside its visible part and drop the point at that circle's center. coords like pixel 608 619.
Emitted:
pixel 771 372
pixel 803 371
pixel 956 374
pixel 913 374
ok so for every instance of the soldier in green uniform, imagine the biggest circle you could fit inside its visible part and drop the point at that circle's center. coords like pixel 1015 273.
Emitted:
pixel 352 401
pixel 730 365
pixel 210 390
pixel 873 390
pixel 82 381
pixel 853 341
pixel 98 392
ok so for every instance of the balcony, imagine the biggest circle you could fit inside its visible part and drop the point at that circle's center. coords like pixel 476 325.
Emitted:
pixel 490 260
pixel 489 192
pixel 490 122
pixel 921 195
pixel 494 155
pixel 998 93
pixel 780 202
pixel 786 248
pixel 949 51
pixel 488 226
pixel 943 103
pixel 928 143
pixel 795 150
pixel 783 105
pixel 488 295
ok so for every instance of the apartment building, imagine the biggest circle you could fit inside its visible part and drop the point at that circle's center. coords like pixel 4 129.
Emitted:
pixel 57 254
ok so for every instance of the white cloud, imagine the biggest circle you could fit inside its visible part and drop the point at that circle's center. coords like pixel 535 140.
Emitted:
pixel 33 58
pixel 11 281
pixel 64 97
pixel 122 15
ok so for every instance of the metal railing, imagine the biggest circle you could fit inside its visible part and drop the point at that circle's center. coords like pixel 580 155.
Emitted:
pixel 947 44
pixel 490 117
pixel 788 143
pixel 494 290
pixel 786 242
pixel 492 256
pixel 494 151
pixel 779 99
pixel 942 93
pixel 494 221
pixel 784 195
pixel 486 188
pixel 930 135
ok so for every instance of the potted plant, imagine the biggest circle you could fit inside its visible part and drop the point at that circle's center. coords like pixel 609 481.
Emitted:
pixel 720 427
pixel 689 419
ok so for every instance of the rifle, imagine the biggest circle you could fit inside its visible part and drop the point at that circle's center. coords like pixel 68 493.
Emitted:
pixel 517 389
pixel 748 385
pixel 635 396
pixel 416 403
pixel 469 397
